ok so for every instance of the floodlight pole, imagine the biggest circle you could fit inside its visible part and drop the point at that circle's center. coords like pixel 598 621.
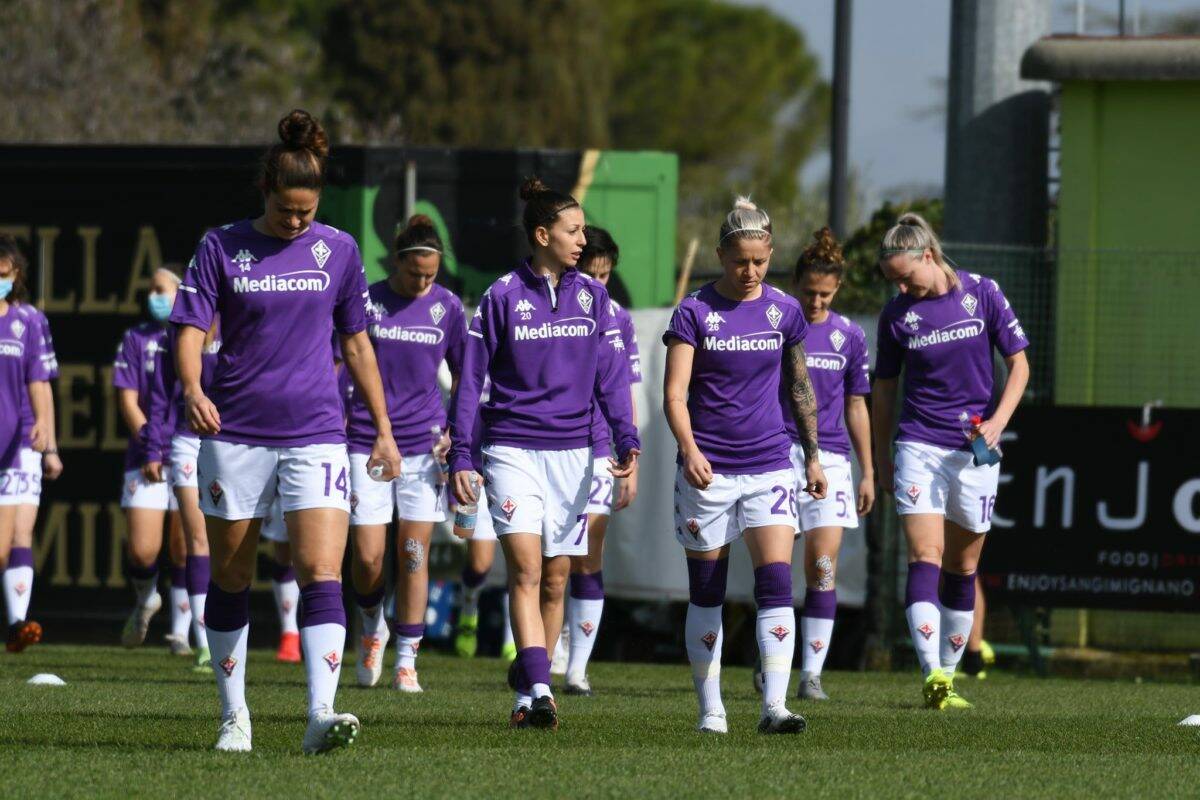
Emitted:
pixel 840 119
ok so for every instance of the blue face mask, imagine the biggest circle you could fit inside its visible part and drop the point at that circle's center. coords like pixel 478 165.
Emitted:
pixel 160 306
pixel 6 285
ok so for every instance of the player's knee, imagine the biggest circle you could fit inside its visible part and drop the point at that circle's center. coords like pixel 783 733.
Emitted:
pixel 554 585
pixel 773 585
pixel 707 581
pixel 925 552
pixel 525 576
pixel 232 577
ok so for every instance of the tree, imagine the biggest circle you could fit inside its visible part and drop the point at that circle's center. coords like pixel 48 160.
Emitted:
pixel 865 290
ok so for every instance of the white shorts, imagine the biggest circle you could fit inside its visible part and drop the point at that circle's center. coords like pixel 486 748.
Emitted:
pixel 838 509
pixel 600 492
pixel 417 495
pixel 274 526
pixel 934 480
pixel 485 531
pixel 141 493
pixel 240 481
pixel 22 485
pixel 184 450
pixel 711 518
pixel 540 491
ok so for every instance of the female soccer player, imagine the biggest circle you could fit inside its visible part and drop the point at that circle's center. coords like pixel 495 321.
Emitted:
pixel 941 330
pixel 26 365
pixel 146 501
pixel 545 335
pixel 729 344
pixel 282 284
pixel 586 602
pixel 414 325
pixel 837 365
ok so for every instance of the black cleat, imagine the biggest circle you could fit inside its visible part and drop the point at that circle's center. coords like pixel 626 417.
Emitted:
pixel 544 714
pixel 519 718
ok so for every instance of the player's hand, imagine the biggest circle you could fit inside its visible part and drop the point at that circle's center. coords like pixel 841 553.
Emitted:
pixel 385 454
pixel 696 470
pixel 440 451
pixel 885 475
pixel 866 495
pixel 202 416
pixel 464 491
pixel 815 477
pixel 152 470
pixel 38 437
pixel 627 490
pixel 626 467
pixel 990 430
pixel 52 466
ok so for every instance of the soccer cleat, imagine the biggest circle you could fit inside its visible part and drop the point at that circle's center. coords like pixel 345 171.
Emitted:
pixel 134 632
pixel 370 659
pixel 972 664
pixel 580 687
pixel 178 644
pixel 778 719
pixel 544 714
pixel 327 731
pixel 21 634
pixel 955 700
pixel 562 653
pixel 234 734
pixel 289 648
pixel 509 652
pixel 810 688
pixel 519 718
pixel 203 661
pixel 405 680
pixel 989 655
pixel 713 722
pixel 466 637
pixel 937 688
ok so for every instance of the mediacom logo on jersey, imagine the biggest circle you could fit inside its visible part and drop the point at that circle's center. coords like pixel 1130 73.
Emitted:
pixel 967 329
pixel 569 328
pixel 416 334
pixel 315 281
pixel 762 340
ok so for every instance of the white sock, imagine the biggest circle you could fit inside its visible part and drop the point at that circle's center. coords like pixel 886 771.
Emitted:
pixel 200 633
pixel 181 612
pixel 406 651
pixel 522 700
pixel 956 629
pixel 373 620
pixel 287 597
pixel 323 645
pixel 924 618
pixel 583 618
pixel 144 588
pixel 816 633
pixel 18 588
pixel 704 635
pixel 540 690
pixel 508 634
pixel 776 631
pixel 229 665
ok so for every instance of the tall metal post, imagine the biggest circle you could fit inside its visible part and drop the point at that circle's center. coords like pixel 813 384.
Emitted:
pixel 840 122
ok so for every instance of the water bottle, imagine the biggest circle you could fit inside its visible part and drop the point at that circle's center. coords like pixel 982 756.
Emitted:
pixel 984 457
pixel 442 462
pixel 466 514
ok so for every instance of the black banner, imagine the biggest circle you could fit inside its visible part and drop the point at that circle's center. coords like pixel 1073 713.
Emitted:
pixel 1098 508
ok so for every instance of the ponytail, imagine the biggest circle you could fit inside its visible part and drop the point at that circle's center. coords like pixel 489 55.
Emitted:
pixel 912 234
pixel 745 221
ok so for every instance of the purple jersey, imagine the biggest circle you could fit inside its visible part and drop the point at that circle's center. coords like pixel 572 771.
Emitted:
pixel 601 436
pixel 549 351
pixel 280 303
pixel 411 336
pixel 836 351
pixel 945 346
pixel 37 321
pixel 139 358
pixel 21 364
pixel 733 396
pixel 165 416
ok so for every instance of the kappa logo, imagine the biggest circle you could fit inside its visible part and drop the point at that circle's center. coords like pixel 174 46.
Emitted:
pixel 244 260
pixel 333 660
pixel 587 627
pixel 508 507
pixel 506 278
pixel 228 665
pixel 375 310
pixel 780 632
pixel 912 320
pixel 17 328
pixel 693 525
pixel 215 492
pixel 523 306
pixel 1016 328
pixel 817 646
pixel 957 641
pixel 774 315
pixel 837 339
pixel 585 300
pixel 969 303
pixel 713 321
pixel 437 312
pixel 321 253
pixel 926 630
pixel 913 492
pixel 709 640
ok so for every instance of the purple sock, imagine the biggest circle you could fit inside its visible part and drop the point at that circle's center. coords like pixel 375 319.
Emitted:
pixel 535 665
pixel 20 557
pixel 958 591
pixel 198 574
pixel 820 605
pixel 773 585
pixel 409 630
pixel 321 604
pixel 178 577
pixel 706 581
pixel 284 573
pixel 470 578
pixel 369 600
pixel 587 587
pixel 227 611
pixel 923 583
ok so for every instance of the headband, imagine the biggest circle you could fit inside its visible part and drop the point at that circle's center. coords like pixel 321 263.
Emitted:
pixel 895 251
pixel 418 247
pixel 742 230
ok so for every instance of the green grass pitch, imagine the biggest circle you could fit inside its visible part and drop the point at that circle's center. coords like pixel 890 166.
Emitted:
pixel 140 724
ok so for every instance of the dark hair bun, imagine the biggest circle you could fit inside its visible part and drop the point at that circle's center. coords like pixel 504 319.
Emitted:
pixel 825 248
pixel 300 130
pixel 420 220
pixel 532 187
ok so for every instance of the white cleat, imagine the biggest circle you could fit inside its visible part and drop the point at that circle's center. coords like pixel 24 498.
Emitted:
pixel 405 680
pixel 810 688
pixel 178 644
pixel 369 668
pixel 234 734
pixel 713 722
pixel 134 632
pixel 562 653
pixel 327 731
pixel 778 719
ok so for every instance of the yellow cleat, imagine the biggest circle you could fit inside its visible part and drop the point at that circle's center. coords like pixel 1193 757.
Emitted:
pixel 937 690
pixel 956 700
pixel 987 653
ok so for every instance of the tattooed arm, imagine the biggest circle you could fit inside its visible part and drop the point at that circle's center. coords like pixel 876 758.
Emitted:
pixel 802 403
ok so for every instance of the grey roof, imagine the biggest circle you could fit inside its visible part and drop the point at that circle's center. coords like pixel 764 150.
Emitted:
pixel 1084 58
